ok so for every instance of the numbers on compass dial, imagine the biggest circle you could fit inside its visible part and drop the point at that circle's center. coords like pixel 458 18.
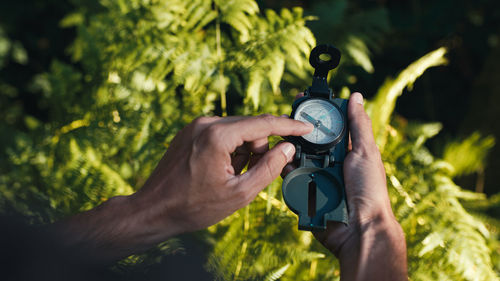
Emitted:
pixel 326 118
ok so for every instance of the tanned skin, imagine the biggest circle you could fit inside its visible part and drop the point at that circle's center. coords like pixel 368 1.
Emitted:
pixel 198 182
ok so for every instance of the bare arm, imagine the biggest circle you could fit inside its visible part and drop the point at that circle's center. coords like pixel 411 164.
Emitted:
pixel 113 230
pixel 197 183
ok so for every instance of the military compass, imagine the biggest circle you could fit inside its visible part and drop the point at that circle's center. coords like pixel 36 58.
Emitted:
pixel 315 190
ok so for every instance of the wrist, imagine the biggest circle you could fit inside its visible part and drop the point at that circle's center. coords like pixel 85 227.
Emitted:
pixel 117 228
pixel 150 220
pixel 382 227
pixel 379 240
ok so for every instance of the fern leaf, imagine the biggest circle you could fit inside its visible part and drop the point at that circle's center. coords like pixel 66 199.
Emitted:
pixel 468 156
pixel 275 275
pixel 382 106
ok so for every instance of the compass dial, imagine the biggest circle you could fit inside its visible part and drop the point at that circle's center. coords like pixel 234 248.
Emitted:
pixel 326 118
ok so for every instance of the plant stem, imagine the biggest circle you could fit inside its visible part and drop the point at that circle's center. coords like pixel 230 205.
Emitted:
pixel 223 104
pixel 246 226
pixel 480 181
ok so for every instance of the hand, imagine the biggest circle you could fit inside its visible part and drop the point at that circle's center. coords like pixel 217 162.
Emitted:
pixel 365 180
pixel 196 184
pixel 198 181
pixel 372 246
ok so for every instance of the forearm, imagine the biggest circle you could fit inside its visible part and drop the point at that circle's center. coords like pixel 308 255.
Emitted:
pixel 377 253
pixel 116 229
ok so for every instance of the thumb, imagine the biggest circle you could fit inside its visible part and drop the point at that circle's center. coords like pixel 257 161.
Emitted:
pixel 360 125
pixel 267 168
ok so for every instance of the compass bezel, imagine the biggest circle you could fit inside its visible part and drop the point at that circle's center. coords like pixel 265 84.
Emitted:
pixel 310 147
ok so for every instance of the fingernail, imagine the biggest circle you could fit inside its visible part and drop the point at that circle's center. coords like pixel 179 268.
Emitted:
pixel 284 115
pixel 357 97
pixel 289 150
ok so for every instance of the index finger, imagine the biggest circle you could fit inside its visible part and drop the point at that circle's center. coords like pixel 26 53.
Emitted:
pixel 263 126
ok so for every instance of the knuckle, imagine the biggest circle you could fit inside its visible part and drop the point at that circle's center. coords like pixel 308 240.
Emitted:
pixel 269 167
pixel 213 133
pixel 268 118
pixel 204 120
pixel 199 124
pixel 200 120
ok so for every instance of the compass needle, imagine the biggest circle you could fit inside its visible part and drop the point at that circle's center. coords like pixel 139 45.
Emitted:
pixel 308 118
pixel 325 130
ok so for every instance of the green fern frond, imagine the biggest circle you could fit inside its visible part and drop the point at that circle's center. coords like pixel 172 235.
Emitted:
pixel 142 70
pixel 275 275
pixel 468 156
pixel 382 106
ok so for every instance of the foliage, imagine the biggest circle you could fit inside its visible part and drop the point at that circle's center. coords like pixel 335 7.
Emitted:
pixel 469 155
pixel 10 51
pixel 142 69
pixel 444 241
pixel 356 32
pixel 128 54
pixel 384 102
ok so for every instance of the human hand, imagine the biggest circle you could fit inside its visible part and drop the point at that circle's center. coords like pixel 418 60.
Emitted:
pixel 373 240
pixel 365 182
pixel 198 182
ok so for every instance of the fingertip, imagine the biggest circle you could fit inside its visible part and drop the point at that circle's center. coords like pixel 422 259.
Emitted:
pixel 269 166
pixel 357 98
pixel 355 106
pixel 288 150
pixel 359 123
pixel 305 129
pixel 310 127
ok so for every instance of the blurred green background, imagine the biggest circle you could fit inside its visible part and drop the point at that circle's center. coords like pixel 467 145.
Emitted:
pixel 91 93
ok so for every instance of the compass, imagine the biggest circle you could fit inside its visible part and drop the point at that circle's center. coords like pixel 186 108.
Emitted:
pixel 328 120
pixel 315 190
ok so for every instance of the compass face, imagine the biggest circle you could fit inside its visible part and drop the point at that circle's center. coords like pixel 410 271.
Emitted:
pixel 326 118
